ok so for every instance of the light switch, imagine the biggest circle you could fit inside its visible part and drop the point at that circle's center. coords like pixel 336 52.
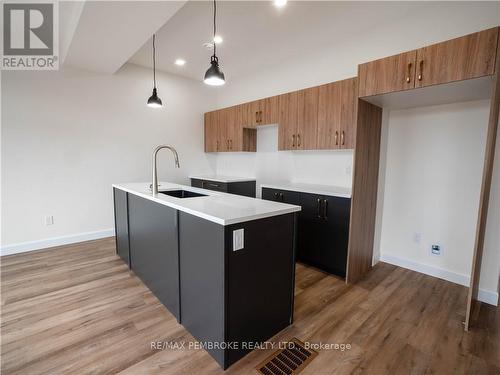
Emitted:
pixel 238 239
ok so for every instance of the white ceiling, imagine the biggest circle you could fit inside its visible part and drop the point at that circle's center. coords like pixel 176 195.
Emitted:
pixel 257 34
pixel 108 33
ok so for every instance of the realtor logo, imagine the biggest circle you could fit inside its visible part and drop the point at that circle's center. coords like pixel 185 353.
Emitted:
pixel 29 36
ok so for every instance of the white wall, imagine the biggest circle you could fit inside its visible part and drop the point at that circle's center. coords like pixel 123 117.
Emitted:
pixel 433 23
pixel 432 184
pixel 68 135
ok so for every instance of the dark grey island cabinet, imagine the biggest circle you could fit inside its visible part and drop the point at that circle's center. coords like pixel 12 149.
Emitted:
pixel 322 229
pixel 226 284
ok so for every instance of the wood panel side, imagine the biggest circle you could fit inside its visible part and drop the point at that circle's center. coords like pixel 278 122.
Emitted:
pixel 364 191
pixel 211 131
pixel 484 198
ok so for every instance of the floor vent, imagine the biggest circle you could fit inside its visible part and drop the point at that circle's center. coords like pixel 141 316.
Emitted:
pixel 290 360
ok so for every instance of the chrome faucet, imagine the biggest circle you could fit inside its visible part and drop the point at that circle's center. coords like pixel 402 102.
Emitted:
pixel 154 185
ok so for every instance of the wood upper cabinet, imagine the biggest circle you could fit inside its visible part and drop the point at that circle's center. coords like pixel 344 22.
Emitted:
pixel 467 57
pixel 337 114
pixel 462 58
pixel 307 119
pixel 212 131
pixel 287 119
pixel 394 73
pixel 261 112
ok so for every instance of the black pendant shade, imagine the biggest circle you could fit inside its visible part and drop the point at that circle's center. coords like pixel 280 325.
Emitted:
pixel 214 76
pixel 154 101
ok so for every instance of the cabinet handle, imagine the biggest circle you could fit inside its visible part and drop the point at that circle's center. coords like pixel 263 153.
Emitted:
pixel 325 209
pixel 336 138
pixel 408 77
pixel 228 145
pixel 298 140
pixel 318 208
pixel 421 68
pixel 293 140
pixel 231 143
pixel 281 197
pixel 257 116
pixel 276 195
pixel 260 116
pixel 217 145
pixel 342 138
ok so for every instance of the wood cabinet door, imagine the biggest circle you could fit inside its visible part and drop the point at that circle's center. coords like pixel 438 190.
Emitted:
pixel 211 131
pixel 270 110
pixel 348 113
pixel 236 131
pixel 253 113
pixel 337 114
pixel 287 120
pixel 229 129
pixel 329 112
pixel 394 73
pixel 307 119
pixel 462 58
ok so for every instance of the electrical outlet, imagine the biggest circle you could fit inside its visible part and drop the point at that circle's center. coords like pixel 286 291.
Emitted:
pixel 49 220
pixel 436 249
pixel 238 239
pixel 417 237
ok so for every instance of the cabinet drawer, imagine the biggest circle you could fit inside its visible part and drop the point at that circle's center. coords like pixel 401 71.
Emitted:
pixel 209 185
pixel 284 196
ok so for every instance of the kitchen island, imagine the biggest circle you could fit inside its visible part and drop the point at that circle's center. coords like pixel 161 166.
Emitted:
pixel 222 264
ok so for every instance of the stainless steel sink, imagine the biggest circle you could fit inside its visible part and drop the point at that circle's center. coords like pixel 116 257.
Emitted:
pixel 182 193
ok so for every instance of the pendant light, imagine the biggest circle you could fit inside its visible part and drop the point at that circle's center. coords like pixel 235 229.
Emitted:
pixel 214 76
pixel 154 101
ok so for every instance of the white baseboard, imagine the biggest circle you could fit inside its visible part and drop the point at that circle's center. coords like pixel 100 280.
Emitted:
pixel 486 296
pixel 55 241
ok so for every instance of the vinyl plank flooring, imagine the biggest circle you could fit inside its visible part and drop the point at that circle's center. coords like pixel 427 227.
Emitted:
pixel 77 309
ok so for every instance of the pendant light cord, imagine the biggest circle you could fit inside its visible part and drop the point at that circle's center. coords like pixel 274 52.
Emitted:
pixel 154 61
pixel 215 24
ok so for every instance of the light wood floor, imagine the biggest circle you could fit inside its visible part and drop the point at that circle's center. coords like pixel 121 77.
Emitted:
pixel 77 309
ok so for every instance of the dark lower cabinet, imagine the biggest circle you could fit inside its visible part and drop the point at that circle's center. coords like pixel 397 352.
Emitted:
pixel 332 238
pixel 322 230
pixel 154 249
pixel 121 225
pixel 245 188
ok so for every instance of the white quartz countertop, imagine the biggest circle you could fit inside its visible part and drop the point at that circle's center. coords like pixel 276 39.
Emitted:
pixel 222 178
pixel 330 190
pixel 220 208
